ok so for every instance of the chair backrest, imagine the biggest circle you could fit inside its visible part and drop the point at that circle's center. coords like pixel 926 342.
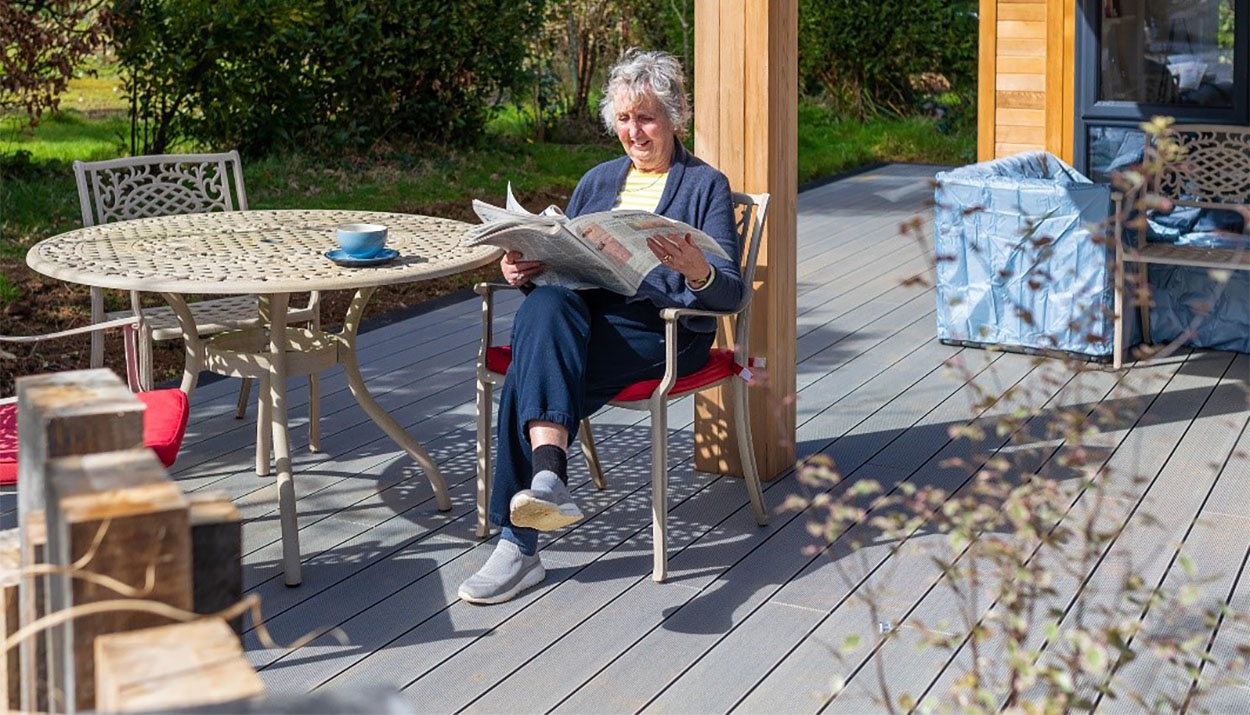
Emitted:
pixel 1213 170
pixel 159 185
pixel 751 211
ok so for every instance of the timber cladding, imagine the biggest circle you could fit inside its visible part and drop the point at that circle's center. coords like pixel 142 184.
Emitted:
pixel 1026 77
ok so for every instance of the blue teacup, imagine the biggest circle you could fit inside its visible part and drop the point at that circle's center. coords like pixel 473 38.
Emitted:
pixel 362 240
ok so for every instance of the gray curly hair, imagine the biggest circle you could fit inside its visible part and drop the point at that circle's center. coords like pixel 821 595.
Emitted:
pixel 642 70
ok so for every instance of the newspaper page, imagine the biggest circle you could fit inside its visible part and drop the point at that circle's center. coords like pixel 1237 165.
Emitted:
pixel 619 239
pixel 607 249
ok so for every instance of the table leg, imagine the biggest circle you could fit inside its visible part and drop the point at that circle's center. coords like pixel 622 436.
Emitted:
pixel 281 444
pixel 191 337
pixel 356 383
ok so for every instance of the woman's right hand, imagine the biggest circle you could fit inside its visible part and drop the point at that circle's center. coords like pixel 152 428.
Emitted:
pixel 518 272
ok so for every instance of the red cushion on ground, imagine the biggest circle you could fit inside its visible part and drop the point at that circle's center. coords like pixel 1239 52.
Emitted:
pixel 8 443
pixel 164 424
pixel 720 365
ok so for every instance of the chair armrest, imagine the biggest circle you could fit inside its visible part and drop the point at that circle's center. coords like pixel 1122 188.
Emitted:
pixel 672 314
pixel 129 342
pixel 487 291
pixel 119 323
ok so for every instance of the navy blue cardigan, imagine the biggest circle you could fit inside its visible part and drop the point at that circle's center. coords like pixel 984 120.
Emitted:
pixel 695 193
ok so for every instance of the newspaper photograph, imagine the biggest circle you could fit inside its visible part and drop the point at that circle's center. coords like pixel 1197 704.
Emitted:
pixel 607 249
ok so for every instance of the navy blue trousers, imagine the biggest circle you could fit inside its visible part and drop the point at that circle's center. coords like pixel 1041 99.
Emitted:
pixel 572 352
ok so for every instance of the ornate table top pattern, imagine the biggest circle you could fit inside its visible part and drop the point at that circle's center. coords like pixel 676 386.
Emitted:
pixel 251 252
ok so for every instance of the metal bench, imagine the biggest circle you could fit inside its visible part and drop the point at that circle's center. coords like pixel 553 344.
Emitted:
pixel 1211 172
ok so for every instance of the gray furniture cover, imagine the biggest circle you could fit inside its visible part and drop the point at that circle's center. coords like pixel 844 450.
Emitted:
pixel 1185 298
pixel 1018 266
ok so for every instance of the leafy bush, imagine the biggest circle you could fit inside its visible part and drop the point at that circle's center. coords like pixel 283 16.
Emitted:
pixel 44 42
pixel 321 74
pixel 868 56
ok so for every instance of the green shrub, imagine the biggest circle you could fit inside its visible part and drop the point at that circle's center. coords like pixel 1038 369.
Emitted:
pixel 316 74
pixel 871 56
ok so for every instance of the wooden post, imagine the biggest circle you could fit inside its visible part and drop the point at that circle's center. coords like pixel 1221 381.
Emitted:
pixel 746 124
pixel 118 515
pixel 174 666
pixel 62 414
pixel 987 69
pixel 216 554
pixel 1026 79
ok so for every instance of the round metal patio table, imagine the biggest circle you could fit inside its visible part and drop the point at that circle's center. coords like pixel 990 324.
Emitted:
pixel 270 254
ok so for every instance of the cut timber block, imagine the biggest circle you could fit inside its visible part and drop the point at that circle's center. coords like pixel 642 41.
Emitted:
pixel 10 577
pixel 181 665
pixel 69 413
pixel 216 554
pixel 125 519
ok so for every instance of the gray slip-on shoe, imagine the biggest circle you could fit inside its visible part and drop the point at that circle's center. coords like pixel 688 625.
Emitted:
pixel 546 506
pixel 505 574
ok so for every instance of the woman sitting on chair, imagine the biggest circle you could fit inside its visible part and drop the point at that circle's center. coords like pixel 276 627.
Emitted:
pixel 573 351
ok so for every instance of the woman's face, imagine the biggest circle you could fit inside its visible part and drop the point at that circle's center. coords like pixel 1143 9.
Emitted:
pixel 645 132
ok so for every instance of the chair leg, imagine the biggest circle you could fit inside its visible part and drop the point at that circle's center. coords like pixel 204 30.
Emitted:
pixel 1117 343
pixel 659 490
pixel 264 430
pixel 746 452
pixel 145 360
pixel 97 338
pixel 314 395
pixel 1143 306
pixel 314 413
pixel 587 440
pixel 245 395
pixel 483 457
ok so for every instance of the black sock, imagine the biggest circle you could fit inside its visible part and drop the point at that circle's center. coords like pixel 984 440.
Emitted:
pixel 551 458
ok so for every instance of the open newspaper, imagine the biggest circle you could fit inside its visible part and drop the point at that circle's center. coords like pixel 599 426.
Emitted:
pixel 607 249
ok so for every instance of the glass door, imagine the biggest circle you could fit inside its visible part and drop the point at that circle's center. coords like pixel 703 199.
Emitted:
pixel 1189 59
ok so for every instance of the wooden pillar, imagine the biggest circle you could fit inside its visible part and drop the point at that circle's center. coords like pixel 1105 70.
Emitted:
pixel 746 124
pixel 1026 79
pixel 60 415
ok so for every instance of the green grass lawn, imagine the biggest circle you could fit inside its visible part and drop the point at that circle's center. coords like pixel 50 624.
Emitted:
pixel 66 136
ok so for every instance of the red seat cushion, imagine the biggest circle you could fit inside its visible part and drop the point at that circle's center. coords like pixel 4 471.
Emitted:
pixel 164 424
pixel 720 365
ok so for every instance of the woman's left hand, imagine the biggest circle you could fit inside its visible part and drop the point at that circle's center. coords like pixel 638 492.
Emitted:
pixel 677 251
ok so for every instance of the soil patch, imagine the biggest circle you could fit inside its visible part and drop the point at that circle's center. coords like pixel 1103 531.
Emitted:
pixel 46 305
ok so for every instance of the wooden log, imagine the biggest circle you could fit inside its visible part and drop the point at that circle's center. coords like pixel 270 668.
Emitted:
pixel 63 414
pixel 216 554
pixel 10 578
pixel 118 515
pixel 185 664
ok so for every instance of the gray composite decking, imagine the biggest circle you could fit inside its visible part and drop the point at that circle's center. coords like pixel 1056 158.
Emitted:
pixel 748 617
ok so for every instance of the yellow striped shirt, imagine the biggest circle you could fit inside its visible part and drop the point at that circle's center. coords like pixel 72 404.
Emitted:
pixel 642 191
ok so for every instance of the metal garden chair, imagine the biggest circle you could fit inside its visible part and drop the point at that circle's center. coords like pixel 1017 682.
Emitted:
pixel 162 185
pixel 164 420
pixel 723 367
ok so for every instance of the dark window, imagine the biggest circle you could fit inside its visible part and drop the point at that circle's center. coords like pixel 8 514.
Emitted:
pixel 1173 52
pixel 1187 59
